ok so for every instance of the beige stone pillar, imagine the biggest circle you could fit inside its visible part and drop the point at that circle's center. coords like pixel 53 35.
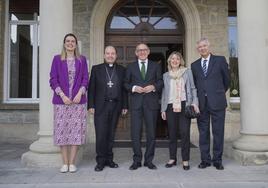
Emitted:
pixel 56 19
pixel 252 146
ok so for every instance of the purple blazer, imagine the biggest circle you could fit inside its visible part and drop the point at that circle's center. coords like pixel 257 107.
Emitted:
pixel 59 78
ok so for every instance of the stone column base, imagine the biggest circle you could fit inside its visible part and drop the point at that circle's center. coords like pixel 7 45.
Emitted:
pixel 250 158
pixel 32 159
pixel 251 149
pixel 43 153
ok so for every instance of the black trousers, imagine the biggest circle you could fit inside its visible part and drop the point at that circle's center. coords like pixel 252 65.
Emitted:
pixel 105 125
pixel 150 117
pixel 177 120
pixel 218 119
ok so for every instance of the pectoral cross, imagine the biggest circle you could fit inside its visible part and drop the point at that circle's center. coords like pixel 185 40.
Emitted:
pixel 110 83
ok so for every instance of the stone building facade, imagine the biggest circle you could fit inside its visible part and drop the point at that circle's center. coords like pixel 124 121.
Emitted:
pixel 87 19
pixel 211 13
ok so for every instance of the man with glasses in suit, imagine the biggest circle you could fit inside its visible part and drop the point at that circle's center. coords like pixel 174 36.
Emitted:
pixel 144 83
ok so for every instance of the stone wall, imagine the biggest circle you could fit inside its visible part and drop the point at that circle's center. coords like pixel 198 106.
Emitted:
pixel 19 117
pixel 24 123
pixel 81 22
pixel 18 125
pixel 214 24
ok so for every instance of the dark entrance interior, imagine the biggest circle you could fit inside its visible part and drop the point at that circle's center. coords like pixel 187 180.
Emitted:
pixel 159 53
pixel 155 23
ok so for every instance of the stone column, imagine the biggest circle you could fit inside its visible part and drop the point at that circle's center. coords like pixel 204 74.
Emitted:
pixel 252 146
pixel 56 19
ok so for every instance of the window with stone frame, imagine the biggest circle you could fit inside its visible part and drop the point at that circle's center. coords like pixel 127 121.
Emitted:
pixel 233 54
pixel 154 15
pixel 21 70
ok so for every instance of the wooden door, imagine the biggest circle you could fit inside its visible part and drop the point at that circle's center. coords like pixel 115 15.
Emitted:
pixel 153 22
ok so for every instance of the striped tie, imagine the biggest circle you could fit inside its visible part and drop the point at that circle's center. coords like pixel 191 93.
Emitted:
pixel 204 67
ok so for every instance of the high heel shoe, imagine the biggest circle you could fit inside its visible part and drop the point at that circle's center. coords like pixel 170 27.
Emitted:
pixel 185 166
pixel 169 165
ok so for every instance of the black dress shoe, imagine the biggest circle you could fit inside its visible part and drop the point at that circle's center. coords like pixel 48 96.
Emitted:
pixel 150 166
pixel 218 166
pixel 169 165
pixel 112 164
pixel 135 166
pixel 186 167
pixel 204 164
pixel 99 167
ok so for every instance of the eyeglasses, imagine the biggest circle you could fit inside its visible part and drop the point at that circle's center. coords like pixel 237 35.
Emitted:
pixel 142 50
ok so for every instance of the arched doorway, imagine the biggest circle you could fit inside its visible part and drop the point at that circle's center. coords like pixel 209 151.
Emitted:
pixel 153 22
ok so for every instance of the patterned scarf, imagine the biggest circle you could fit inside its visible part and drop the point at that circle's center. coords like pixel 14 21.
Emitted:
pixel 178 84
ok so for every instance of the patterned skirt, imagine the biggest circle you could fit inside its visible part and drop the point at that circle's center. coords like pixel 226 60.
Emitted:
pixel 70 124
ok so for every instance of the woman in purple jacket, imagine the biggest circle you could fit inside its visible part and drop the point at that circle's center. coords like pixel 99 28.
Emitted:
pixel 69 81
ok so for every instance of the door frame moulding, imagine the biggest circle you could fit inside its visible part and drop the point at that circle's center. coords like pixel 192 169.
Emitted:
pixel 102 10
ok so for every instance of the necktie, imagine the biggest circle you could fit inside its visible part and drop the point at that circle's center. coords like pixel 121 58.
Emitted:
pixel 204 67
pixel 143 70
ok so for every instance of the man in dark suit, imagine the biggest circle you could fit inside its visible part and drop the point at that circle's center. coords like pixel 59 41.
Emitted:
pixel 144 83
pixel 107 98
pixel 211 77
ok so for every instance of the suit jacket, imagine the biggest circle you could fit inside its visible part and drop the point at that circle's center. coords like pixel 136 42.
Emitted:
pixel 153 77
pixel 214 85
pixel 59 78
pixel 98 85
pixel 191 95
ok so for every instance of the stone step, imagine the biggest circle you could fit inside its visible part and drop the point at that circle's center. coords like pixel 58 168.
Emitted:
pixel 142 185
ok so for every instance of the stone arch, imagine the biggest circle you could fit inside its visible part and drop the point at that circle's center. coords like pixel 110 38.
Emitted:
pixel 102 9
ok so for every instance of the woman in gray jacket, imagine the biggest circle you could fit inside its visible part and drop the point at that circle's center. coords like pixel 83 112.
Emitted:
pixel 179 91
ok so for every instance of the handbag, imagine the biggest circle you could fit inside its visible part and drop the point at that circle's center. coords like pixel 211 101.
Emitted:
pixel 190 112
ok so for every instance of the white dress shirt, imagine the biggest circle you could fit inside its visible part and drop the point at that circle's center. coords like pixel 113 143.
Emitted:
pixel 140 64
pixel 202 60
pixel 145 63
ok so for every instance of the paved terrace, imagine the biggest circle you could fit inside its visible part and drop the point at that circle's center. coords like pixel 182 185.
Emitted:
pixel 15 175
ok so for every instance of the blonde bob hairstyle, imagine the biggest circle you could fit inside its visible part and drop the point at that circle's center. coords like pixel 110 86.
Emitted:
pixel 76 51
pixel 178 54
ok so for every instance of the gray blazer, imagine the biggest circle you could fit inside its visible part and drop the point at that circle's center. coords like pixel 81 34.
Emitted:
pixel 191 94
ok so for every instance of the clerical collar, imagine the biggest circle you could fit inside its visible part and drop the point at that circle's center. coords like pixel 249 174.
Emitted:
pixel 110 65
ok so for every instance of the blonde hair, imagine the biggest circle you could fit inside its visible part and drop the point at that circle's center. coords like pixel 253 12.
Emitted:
pixel 178 54
pixel 76 51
